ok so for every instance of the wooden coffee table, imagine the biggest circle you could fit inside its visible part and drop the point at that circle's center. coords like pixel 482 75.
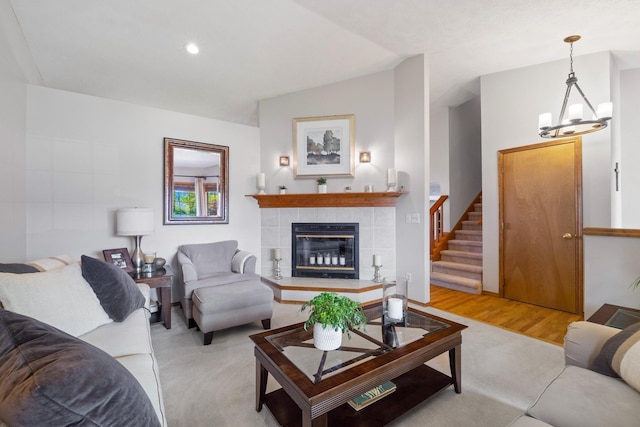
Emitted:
pixel 317 385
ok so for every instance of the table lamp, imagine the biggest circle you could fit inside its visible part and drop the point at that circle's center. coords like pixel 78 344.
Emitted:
pixel 135 222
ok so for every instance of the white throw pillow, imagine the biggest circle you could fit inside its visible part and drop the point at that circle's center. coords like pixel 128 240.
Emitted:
pixel 62 298
pixel 630 366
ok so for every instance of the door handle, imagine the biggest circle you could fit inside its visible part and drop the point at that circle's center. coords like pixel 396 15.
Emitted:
pixel 567 236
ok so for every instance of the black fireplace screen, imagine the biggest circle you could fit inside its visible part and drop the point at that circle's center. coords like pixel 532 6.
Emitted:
pixel 328 250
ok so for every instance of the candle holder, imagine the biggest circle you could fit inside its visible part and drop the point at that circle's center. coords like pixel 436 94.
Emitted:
pixel 376 273
pixel 276 268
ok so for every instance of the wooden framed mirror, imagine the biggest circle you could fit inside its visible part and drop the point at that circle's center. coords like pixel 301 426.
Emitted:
pixel 196 182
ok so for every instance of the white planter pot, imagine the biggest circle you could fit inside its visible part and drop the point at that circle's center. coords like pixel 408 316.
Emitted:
pixel 322 188
pixel 326 338
pixel 283 191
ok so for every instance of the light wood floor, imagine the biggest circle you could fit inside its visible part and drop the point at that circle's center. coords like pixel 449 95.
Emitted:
pixel 530 320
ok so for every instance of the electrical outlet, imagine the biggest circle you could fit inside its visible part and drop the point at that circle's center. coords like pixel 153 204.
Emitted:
pixel 415 218
pixel 408 277
pixel 407 218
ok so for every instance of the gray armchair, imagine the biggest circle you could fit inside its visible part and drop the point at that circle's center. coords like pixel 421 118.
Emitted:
pixel 212 264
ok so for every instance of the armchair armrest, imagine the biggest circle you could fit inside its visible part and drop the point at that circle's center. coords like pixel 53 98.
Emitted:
pixel 189 272
pixel 243 262
pixel 583 342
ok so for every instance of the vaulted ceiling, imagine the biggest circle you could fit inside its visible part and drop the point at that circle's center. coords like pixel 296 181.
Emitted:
pixel 250 50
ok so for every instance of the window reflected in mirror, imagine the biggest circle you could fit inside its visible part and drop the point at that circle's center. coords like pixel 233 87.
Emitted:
pixel 196 182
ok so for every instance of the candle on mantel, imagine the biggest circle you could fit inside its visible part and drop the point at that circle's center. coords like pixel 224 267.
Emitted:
pixel 276 253
pixel 392 177
pixel 261 180
pixel 394 308
pixel 377 260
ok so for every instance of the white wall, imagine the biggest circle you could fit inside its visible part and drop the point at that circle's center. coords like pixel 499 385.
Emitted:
pixel 630 149
pixel 13 107
pixel 439 156
pixel 465 159
pixel 511 102
pixel 368 98
pixel 412 162
pixel 89 156
pixel 611 265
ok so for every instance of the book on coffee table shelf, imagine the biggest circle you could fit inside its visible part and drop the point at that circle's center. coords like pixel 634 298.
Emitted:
pixel 373 395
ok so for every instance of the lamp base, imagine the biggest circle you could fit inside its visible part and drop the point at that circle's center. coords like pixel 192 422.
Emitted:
pixel 137 257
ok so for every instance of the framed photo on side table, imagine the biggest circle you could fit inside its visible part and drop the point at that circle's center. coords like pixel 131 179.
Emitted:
pixel 119 257
pixel 324 146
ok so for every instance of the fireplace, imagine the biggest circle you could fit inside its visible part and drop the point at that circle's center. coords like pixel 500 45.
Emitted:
pixel 327 250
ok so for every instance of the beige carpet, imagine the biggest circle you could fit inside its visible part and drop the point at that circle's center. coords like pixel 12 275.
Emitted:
pixel 502 374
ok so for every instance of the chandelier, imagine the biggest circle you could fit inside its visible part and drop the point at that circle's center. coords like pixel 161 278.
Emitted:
pixel 574 123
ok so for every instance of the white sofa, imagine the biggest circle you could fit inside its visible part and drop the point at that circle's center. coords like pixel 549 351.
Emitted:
pixel 128 341
pixel 581 397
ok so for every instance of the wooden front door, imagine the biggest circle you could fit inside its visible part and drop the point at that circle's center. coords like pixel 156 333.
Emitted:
pixel 541 224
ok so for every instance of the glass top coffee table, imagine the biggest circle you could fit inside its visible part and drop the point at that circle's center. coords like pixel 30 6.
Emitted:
pixel 316 385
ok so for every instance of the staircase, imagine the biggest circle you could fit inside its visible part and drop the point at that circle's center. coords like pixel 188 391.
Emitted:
pixel 460 264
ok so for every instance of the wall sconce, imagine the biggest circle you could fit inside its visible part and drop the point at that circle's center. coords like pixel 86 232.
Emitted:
pixel 284 160
pixel 365 157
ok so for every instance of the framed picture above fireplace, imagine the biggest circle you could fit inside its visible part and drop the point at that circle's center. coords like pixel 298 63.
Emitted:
pixel 324 146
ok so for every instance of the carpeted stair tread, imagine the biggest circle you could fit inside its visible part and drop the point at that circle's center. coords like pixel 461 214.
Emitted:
pixel 458 269
pixel 451 255
pixel 471 225
pixel 465 245
pixel 457 283
pixel 475 235
pixel 458 266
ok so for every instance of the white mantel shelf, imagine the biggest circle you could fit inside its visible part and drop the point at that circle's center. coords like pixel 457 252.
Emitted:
pixel 327 200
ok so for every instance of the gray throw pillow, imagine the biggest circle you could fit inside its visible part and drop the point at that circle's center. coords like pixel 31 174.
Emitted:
pixel 17 268
pixel 118 293
pixel 48 377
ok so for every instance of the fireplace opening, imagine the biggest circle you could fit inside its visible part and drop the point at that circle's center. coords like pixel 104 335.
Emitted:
pixel 326 250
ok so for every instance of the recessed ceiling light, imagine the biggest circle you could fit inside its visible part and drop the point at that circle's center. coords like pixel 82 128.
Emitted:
pixel 192 48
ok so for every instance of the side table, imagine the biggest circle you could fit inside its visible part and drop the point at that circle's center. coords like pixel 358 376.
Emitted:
pixel 615 316
pixel 160 279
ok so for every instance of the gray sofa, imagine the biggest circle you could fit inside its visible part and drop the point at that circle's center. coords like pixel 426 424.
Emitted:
pixel 581 397
pixel 212 264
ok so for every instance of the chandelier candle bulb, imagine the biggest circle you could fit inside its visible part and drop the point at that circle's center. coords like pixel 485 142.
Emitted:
pixel 575 112
pixel 544 120
pixel 605 110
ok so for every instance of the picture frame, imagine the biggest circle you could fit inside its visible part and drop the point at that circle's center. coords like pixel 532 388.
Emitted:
pixel 119 257
pixel 324 146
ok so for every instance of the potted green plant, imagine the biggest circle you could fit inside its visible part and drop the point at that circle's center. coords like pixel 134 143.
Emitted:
pixel 283 189
pixel 331 315
pixel 322 185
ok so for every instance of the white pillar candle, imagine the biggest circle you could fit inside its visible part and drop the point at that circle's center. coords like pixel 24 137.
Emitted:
pixel 394 308
pixel 391 177
pixel 276 253
pixel 377 260
pixel 334 260
pixel 343 260
pixel 312 260
pixel 261 180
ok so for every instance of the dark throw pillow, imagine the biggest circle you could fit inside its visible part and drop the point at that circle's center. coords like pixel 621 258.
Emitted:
pixel 48 377
pixel 116 290
pixel 607 362
pixel 17 268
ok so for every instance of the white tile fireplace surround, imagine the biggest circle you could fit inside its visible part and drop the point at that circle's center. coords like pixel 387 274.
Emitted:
pixel 377 235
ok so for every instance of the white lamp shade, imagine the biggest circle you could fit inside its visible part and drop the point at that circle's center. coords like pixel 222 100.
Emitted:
pixel 134 221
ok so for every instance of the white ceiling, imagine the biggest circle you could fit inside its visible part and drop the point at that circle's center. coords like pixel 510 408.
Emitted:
pixel 256 49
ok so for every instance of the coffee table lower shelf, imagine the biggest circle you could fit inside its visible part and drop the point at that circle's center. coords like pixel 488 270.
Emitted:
pixel 412 388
